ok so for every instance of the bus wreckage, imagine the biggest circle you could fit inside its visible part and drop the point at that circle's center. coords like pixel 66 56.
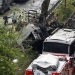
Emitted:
pixel 37 32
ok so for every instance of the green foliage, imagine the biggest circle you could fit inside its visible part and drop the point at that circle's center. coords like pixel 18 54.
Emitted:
pixel 19 26
pixel 25 60
pixel 73 2
pixel 64 13
pixel 7 52
pixel 6 68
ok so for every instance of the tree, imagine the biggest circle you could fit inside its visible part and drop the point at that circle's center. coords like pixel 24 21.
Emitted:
pixel 44 7
pixel 44 10
pixel 7 52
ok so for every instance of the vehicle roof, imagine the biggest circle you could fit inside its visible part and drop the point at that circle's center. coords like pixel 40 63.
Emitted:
pixel 66 36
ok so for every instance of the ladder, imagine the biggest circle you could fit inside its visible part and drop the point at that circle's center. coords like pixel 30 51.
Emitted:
pixel 32 15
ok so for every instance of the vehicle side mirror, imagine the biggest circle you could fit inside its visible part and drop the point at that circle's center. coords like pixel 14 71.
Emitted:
pixel 73 62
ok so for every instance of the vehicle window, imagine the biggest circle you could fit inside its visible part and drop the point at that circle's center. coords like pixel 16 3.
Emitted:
pixel 55 47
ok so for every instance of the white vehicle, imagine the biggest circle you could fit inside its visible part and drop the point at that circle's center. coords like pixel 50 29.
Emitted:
pixel 61 42
pixel 57 55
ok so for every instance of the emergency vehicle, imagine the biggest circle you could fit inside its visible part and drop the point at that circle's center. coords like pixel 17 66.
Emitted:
pixel 57 56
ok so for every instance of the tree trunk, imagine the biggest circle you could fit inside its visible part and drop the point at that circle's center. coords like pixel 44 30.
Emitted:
pixel 44 7
pixel 44 10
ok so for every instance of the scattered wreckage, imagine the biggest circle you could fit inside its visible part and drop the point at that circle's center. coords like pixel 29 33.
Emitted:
pixel 36 32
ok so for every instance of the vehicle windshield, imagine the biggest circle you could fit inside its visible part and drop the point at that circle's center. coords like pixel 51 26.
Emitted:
pixel 55 47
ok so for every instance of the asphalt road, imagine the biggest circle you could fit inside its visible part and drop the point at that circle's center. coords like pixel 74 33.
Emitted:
pixel 35 5
pixel 24 5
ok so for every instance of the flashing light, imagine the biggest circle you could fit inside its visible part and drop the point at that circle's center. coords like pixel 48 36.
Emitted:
pixel 29 72
pixel 55 73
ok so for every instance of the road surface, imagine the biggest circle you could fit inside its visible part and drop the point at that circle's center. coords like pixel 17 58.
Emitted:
pixel 36 5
